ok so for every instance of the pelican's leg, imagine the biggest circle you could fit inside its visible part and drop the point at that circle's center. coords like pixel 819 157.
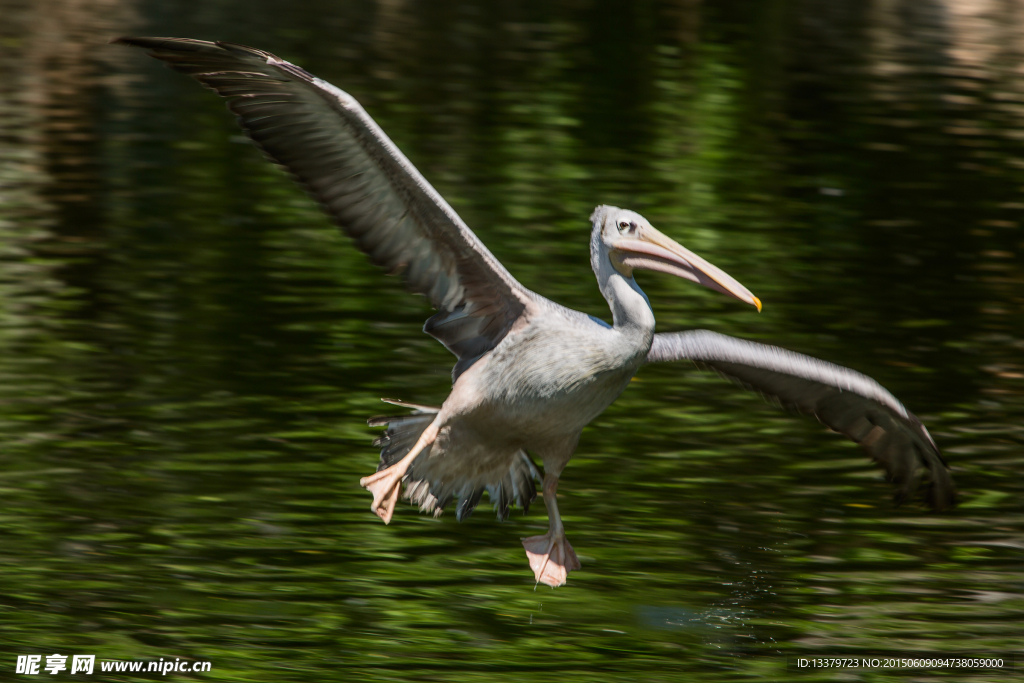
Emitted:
pixel 386 484
pixel 551 557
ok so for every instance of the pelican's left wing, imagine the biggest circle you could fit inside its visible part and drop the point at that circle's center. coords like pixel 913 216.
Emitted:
pixel 372 191
pixel 844 400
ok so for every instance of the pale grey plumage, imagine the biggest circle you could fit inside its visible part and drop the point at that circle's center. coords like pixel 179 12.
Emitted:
pixel 530 374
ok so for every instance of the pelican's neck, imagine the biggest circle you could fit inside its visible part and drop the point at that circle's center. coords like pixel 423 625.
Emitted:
pixel 631 311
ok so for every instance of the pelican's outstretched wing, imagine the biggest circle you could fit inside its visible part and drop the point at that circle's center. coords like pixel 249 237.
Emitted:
pixel 346 162
pixel 845 401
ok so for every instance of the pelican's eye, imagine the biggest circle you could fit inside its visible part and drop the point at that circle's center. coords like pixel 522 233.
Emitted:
pixel 623 225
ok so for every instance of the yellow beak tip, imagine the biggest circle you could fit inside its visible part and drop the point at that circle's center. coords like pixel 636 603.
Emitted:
pixel 757 302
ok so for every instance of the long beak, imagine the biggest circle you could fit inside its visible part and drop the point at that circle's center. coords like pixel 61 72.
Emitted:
pixel 652 250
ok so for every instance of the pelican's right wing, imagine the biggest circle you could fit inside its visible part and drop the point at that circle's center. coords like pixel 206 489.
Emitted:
pixel 361 179
pixel 846 401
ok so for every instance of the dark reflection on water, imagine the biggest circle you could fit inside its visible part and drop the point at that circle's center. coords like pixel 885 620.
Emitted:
pixel 189 350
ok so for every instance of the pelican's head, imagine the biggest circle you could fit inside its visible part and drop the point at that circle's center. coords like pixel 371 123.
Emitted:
pixel 629 241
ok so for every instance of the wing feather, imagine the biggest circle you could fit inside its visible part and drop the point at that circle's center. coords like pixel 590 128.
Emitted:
pixel 328 142
pixel 844 400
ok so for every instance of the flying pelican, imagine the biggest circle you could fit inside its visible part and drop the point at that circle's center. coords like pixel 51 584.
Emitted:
pixel 530 374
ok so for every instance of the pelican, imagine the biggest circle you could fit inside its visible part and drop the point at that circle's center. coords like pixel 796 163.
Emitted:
pixel 530 374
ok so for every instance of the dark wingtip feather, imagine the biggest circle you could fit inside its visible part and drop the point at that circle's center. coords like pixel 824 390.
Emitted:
pixel 904 473
pixel 128 40
pixel 155 43
pixel 940 492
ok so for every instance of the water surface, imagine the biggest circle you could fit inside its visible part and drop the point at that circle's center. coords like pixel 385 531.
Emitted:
pixel 189 350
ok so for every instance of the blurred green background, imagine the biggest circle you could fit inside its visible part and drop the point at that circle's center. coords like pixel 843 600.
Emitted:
pixel 189 350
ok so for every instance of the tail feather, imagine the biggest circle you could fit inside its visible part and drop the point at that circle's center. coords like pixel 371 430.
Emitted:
pixel 516 487
pixel 525 476
pixel 468 499
pixel 501 496
pixel 400 436
pixel 428 488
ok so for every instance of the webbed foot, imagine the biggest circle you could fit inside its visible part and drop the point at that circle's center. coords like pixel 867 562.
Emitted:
pixel 385 487
pixel 551 558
